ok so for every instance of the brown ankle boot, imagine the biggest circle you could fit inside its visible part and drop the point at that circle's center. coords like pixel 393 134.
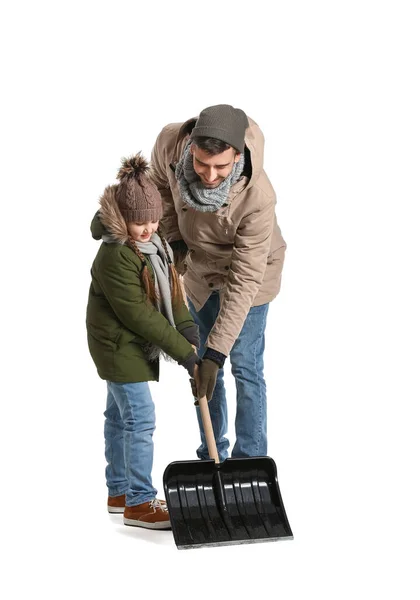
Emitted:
pixel 153 515
pixel 116 504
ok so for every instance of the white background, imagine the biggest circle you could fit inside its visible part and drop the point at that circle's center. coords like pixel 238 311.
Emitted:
pixel 335 88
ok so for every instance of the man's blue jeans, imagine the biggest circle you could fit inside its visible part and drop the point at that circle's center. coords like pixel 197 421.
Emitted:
pixel 246 359
pixel 129 427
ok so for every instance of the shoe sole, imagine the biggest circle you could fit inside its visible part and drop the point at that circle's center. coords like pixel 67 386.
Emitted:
pixel 116 509
pixel 158 525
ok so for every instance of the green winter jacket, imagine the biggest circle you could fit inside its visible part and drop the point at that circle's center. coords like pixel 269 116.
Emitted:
pixel 120 319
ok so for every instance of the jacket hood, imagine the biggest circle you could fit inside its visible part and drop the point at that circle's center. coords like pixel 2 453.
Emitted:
pixel 111 217
pixel 254 141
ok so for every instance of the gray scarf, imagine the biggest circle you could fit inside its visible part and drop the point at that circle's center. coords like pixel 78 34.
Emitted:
pixel 155 251
pixel 194 193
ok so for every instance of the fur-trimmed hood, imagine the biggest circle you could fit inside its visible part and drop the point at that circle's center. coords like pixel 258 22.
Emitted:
pixel 110 215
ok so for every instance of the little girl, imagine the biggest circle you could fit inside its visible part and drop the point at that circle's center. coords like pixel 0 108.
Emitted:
pixel 135 311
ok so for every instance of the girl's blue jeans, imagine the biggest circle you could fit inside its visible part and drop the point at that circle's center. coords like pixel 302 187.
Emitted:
pixel 129 427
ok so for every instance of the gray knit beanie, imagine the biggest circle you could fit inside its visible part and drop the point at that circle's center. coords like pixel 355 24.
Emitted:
pixel 137 197
pixel 222 122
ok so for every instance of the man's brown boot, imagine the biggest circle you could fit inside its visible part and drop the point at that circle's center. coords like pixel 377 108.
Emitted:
pixel 153 515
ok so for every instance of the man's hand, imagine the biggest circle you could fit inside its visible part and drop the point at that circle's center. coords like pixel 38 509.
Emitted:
pixel 207 376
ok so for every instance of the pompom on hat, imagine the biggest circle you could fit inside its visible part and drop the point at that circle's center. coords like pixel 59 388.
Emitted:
pixel 137 197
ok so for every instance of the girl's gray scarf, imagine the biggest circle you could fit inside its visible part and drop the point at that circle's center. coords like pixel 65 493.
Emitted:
pixel 194 193
pixel 156 253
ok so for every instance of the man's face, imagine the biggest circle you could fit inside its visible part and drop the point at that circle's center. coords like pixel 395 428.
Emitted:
pixel 212 170
pixel 142 232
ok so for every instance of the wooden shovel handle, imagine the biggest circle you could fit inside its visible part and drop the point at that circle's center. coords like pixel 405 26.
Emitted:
pixel 208 427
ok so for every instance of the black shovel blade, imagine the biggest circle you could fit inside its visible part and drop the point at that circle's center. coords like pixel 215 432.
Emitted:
pixel 235 502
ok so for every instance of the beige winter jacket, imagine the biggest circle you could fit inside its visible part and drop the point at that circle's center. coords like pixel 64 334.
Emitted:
pixel 238 250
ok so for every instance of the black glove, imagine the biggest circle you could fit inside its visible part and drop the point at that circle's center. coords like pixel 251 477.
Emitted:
pixel 190 363
pixel 191 334
pixel 194 390
pixel 180 250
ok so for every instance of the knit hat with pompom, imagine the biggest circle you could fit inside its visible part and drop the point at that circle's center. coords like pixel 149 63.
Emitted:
pixel 137 197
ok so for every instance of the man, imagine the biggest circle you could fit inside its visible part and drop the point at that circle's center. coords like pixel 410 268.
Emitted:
pixel 219 217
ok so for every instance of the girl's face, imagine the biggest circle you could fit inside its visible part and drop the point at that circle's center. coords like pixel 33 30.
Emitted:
pixel 142 232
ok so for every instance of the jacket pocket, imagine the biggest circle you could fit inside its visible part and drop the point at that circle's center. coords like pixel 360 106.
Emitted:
pixel 226 230
pixel 276 256
pixel 104 335
pixel 218 267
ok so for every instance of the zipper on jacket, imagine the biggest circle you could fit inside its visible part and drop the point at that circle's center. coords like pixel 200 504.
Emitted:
pixel 193 215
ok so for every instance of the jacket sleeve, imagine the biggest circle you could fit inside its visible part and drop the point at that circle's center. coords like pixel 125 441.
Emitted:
pixel 182 317
pixel 119 280
pixel 160 179
pixel 247 269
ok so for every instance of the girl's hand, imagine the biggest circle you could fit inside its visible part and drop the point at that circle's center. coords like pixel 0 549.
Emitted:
pixel 193 382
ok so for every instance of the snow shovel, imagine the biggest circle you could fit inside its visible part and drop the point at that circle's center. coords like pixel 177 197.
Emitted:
pixel 237 501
